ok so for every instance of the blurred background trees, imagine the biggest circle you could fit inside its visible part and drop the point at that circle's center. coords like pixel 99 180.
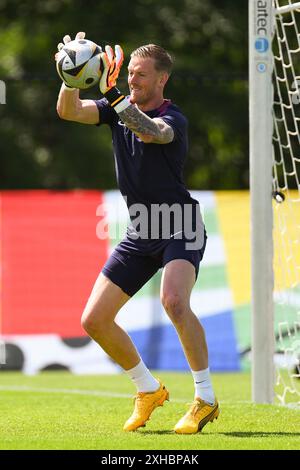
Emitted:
pixel 209 41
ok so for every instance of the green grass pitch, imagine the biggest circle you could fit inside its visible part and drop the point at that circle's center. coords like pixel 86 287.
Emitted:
pixel 58 410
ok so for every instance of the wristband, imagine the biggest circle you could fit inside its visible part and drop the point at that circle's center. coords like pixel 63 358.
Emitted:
pixel 117 101
pixel 68 88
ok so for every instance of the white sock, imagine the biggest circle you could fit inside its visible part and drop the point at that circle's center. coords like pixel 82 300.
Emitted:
pixel 203 386
pixel 142 378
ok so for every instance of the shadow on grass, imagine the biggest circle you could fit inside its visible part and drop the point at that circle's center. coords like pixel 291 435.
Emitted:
pixel 159 433
pixel 258 434
pixel 247 434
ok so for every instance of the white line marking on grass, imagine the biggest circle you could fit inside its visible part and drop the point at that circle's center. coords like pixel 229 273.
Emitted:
pixel 109 394
pixel 98 393
pixel 24 388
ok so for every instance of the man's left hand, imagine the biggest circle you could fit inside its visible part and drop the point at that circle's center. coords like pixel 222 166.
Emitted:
pixel 112 63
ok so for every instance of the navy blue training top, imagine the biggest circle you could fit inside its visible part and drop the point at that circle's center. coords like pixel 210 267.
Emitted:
pixel 149 173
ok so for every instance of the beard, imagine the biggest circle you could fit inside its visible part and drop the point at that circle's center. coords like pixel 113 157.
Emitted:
pixel 140 97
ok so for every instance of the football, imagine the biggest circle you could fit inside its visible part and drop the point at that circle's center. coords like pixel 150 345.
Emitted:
pixel 79 63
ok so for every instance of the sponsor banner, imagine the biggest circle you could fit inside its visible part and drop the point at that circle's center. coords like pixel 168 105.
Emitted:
pixel 51 255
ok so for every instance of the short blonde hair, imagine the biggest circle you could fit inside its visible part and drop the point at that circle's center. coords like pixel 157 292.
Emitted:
pixel 163 60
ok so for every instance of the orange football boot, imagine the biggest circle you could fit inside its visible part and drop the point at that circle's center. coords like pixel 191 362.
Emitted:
pixel 144 404
pixel 199 414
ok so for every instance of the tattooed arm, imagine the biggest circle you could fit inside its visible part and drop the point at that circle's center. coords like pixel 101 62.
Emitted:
pixel 149 130
pixel 154 131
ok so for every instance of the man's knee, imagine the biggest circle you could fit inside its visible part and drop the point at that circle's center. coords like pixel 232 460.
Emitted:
pixel 175 306
pixel 94 321
pixel 88 323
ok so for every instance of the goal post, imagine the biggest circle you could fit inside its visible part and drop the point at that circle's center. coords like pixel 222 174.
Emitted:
pixel 274 116
pixel 260 120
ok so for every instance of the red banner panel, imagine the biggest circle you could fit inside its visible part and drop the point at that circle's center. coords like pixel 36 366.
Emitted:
pixel 50 257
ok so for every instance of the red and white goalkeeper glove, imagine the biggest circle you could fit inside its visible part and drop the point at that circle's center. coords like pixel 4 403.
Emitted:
pixel 112 63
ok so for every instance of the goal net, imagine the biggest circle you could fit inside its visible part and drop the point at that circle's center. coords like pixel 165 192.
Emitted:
pixel 286 198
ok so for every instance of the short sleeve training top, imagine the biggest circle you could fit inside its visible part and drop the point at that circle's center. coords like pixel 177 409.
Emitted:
pixel 149 173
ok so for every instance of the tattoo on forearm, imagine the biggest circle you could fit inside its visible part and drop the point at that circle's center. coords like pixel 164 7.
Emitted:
pixel 140 123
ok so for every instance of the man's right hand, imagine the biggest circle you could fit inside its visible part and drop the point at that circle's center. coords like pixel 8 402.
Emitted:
pixel 66 39
pixel 69 105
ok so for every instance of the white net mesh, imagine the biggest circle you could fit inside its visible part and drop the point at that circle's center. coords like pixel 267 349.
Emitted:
pixel 286 187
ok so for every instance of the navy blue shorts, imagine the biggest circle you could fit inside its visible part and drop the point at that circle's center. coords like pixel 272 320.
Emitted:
pixel 129 267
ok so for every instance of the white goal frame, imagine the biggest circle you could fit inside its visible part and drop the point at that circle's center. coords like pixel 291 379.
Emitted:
pixel 261 24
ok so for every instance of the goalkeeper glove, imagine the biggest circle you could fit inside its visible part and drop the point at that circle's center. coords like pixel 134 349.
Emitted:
pixel 112 63
pixel 66 39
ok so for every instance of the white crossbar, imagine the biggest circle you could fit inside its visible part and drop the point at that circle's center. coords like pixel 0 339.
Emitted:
pixel 287 8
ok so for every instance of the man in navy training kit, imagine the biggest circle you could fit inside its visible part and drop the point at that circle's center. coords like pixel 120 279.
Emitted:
pixel 150 144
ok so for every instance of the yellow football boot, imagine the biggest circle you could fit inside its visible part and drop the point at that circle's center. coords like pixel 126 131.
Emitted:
pixel 199 414
pixel 144 404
